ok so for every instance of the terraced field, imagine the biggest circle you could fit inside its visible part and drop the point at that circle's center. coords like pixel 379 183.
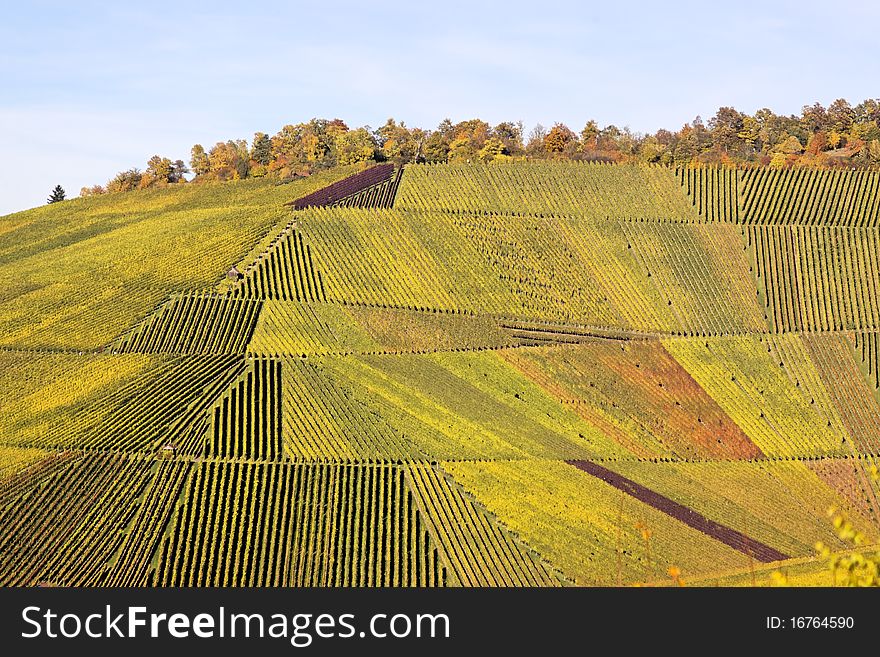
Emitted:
pixel 524 374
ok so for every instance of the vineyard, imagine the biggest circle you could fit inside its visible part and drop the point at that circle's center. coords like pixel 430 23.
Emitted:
pixel 507 374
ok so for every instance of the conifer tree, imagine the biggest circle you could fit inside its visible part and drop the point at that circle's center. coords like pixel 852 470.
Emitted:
pixel 57 194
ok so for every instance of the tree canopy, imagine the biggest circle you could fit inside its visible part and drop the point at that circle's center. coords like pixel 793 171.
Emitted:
pixel 839 135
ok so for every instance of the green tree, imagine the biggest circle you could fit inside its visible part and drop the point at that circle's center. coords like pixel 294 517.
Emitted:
pixel 436 148
pixel 57 194
pixel 261 151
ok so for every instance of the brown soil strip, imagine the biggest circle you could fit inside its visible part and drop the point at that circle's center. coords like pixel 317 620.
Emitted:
pixel 726 535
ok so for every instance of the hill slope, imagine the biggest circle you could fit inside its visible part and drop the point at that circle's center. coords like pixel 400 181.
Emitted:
pixel 519 374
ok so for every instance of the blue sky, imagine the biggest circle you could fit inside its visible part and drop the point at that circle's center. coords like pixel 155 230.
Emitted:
pixel 88 89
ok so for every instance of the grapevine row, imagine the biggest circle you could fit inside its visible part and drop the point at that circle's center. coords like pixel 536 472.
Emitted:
pixel 344 190
pixel 152 410
pixel 246 420
pixel 591 190
pixel 269 524
pixel 284 272
pixel 810 196
pixel 379 195
pixel 66 531
pixel 322 420
pixel 868 348
pixel 479 552
pixel 195 324
pixel 818 277
pixel 713 191
pixel 131 566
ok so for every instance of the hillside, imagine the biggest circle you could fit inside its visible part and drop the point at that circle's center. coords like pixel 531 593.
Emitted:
pixel 523 374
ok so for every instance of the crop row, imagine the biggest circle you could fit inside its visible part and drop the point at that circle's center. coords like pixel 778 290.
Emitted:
pixel 796 362
pixel 322 420
pixel 701 272
pixel 131 566
pixel 590 190
pixel 479 552
pixel 731 537
pixel 195 324
pixel 810 196
pixel 868 347
pixel 818 277
pixel 15 459
pixel 782 504
pixel 244 524
pixel 833 357
pixel 78 274
pixel 246 420
pixel 592 532
pixel 66 530
pixel 346 188
pixel 14 485
pixel 644 275
pixel 290 328
pixel 713 191
pixel 285 271
pixel 752 386
pixel 149 412
pixel 640 396
pixel 468 405
pixel 379 195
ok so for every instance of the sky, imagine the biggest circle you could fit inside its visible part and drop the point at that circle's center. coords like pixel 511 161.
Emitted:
pixel 88 89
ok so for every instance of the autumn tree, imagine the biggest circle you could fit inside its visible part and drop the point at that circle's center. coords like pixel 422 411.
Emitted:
pixel 493 149
pixel 399 143
pixel 56 195
pixel 813 118
pixel 510 135
pixel 199 161
pixel 791 146
pixel 558 138
pixel 159 170
pixel 94 190
pixel 818 142
pixel 229 160
pixel 436 148
pixel 535 143
pixel 590 136
pixel 725 128
pixel 840 116
pixel 354 146
pixel 125 181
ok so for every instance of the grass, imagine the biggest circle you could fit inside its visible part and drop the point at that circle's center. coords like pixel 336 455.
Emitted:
pixel 82 271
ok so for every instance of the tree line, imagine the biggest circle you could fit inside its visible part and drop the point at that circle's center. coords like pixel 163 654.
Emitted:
pixel 840 135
